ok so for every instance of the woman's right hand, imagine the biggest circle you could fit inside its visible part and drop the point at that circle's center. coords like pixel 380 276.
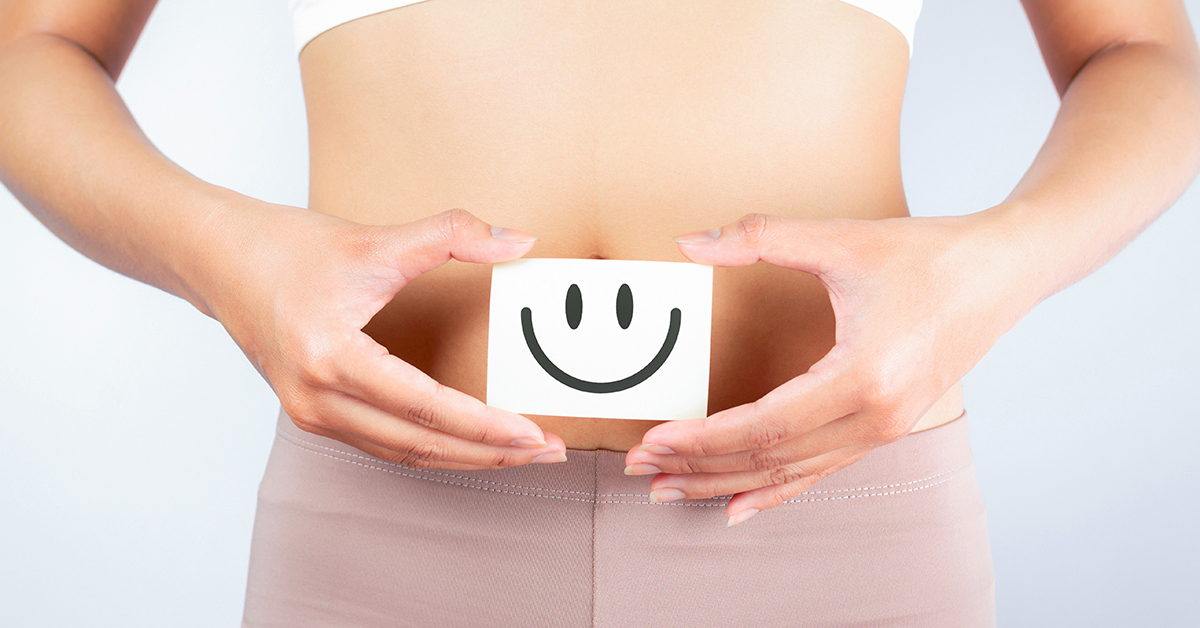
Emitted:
pixel 295 287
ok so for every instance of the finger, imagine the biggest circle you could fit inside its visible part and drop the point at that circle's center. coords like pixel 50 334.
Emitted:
pixel 745 505
pixel 829 437
pixel 423 245
pixel 369 373
pixel 795 407
pixel 386 437
pixel 806 245
pixel 705 485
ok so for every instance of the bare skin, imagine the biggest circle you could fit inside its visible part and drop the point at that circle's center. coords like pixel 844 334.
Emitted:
pixel 568 147
pixel 605 134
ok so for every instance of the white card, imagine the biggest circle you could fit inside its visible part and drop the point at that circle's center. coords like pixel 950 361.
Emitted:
pixel 608 339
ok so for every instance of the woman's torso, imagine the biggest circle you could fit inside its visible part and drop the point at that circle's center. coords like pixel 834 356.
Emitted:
pixel 607 128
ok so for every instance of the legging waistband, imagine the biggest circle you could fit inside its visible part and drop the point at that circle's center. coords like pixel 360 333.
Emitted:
pixel 915 462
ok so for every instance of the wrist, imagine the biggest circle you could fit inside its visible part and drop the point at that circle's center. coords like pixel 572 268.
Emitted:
pixel 991 260
pixel 1012 244
pixel 217 235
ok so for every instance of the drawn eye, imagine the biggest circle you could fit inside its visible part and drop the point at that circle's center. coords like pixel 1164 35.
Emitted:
pixel 624 306
pixel 574 306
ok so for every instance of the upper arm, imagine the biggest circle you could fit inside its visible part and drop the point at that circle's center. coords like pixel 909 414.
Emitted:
pixel 1072 32
pixel 107 29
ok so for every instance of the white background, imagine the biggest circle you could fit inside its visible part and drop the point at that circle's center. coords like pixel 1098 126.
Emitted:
pixel 133 433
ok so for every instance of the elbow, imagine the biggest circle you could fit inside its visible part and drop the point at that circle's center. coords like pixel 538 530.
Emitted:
pixel 1148 83
pixel 1183 57
pixel 40 43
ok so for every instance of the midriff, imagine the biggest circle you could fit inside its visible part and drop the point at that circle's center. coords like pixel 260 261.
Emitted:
pixel 605 129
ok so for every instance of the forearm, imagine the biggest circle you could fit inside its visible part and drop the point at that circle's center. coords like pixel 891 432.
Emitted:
pixel 72 154
pixel 1124 146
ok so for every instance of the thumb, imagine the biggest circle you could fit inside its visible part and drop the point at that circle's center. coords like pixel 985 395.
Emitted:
pixel 805 245
pixel 424 245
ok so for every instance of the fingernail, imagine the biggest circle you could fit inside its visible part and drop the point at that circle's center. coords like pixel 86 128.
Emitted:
pixel 656 449
pixel 699 237
pixel 641 468
pixel 666 495
pixel 511 235
pixel 531 443
pixel 554 456
pixel 742 516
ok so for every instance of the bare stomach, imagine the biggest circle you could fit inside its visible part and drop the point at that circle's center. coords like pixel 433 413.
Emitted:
pixel 605 129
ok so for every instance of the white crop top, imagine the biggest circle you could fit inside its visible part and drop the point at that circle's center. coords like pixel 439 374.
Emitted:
pixel 313 17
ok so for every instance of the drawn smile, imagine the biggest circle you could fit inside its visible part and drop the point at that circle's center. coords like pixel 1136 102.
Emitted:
pixel 599 387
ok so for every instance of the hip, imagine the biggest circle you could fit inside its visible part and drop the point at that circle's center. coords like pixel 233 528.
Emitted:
pixel 345 539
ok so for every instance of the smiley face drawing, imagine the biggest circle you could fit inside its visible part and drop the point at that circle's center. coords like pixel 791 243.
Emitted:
pixel 574 309
pixel 600 338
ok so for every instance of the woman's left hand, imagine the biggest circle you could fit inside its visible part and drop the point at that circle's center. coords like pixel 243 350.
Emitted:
pixel 918 302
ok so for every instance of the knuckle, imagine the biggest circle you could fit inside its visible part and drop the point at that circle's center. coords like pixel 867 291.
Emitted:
pixel 422 454
pixel 315 361
pixel 874 394
pixel 424 413
pixel 429 410
pixel 481 432
pixel 766 459
pixel 484 429
pixel 506 458
pixel 764 435
pixel 412 461
pixel 321 374
pixel 753 228
pixel 876 391
pixel 886 416
pixel 701 447
pixel 454 223
pixel 890 425
pixel 787 474
pixel 301 409
pixel 690 465
pixel 426 410
pixel 302 420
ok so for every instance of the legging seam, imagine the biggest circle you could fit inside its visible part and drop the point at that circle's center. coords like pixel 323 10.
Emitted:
pixel 595 490
pixel 721 500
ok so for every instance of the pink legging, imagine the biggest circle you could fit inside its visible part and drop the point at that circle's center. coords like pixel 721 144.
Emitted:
pixel 343 539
